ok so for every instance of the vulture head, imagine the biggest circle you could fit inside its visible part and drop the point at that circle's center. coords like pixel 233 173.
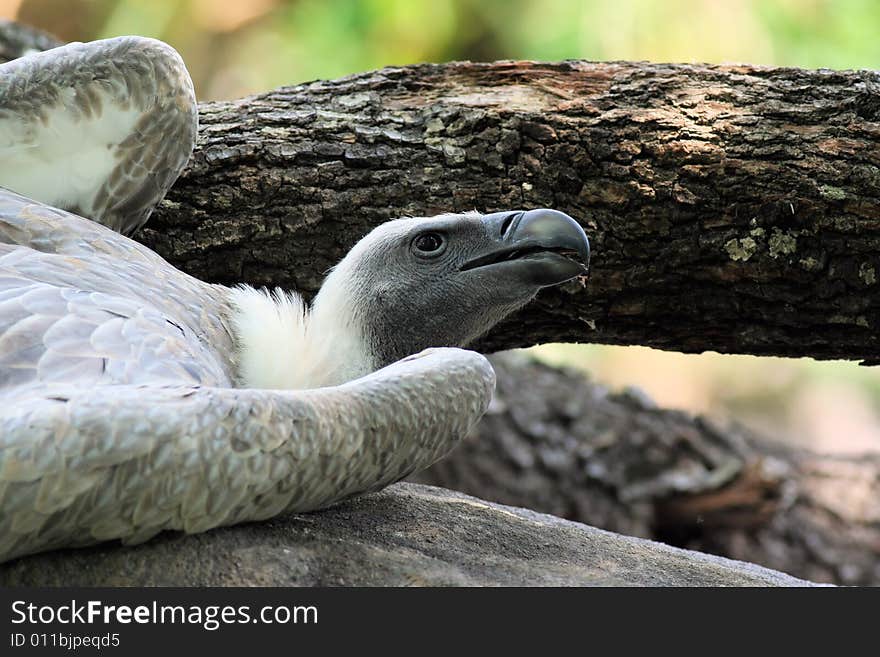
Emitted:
pixel 408 285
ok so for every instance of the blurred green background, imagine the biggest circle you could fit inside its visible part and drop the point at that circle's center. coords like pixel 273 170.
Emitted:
pixel 238 47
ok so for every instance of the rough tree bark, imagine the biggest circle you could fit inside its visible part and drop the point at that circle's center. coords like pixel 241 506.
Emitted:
pixel 555 442
pixel 730 208
pixel 733 208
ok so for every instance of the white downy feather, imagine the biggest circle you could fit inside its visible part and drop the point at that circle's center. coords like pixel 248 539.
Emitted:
pixel 63 161
pixel 285 345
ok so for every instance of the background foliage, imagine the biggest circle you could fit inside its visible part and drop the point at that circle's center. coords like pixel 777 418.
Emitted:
pixel 238 47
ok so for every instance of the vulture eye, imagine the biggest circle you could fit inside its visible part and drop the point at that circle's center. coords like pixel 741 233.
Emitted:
pixel 429 244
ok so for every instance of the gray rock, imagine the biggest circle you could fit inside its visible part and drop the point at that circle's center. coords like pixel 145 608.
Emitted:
pixel 405 535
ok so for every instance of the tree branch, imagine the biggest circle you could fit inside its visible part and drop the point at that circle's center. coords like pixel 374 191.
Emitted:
pixel 733 208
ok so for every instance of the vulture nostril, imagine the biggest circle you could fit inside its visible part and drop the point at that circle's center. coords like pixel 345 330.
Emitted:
pixel 508 220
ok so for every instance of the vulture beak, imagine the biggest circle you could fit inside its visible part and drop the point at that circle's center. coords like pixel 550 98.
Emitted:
pixel 543 247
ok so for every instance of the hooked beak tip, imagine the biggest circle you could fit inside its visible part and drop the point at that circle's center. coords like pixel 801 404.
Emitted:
pixel 552 246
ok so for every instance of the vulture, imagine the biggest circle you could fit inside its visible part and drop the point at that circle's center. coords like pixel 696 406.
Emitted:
pixel 135 398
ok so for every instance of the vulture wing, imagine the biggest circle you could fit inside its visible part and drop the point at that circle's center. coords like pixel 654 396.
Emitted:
pixel 81 464
pixel 102 129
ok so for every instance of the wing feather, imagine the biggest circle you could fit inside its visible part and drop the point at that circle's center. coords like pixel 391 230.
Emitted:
pixel 191 458
pixel 102 129
pixel 92 306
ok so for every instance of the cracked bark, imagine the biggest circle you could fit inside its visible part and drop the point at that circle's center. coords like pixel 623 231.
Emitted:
pixel 732 209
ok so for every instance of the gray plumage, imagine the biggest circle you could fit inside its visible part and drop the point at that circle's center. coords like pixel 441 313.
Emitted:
pixel 132 78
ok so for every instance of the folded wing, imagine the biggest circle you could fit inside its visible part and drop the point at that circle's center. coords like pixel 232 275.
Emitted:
pixel 101 129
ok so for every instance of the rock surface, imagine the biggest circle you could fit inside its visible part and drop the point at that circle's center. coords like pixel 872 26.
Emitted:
pixel 556 442
pixel 405 535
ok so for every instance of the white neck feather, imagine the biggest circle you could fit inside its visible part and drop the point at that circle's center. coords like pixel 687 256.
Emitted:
pixel 285 345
